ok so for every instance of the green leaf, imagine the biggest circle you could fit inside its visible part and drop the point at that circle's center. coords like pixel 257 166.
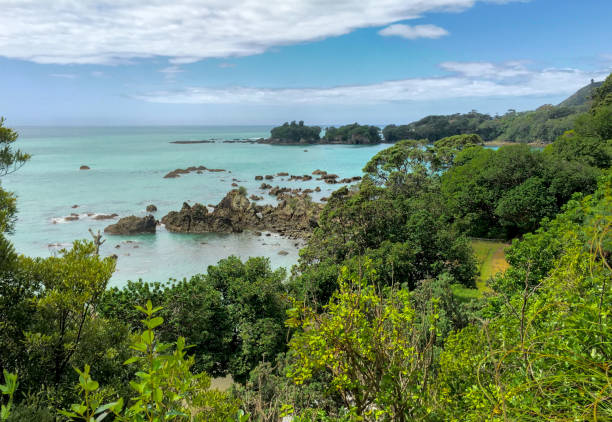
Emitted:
pixel 155 322
pixel 79 408
pixel 131 360
pixel 147 337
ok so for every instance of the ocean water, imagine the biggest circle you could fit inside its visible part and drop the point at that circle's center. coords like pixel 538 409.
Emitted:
pixel 127 168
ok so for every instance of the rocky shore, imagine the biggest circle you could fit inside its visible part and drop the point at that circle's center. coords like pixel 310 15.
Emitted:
pixel 295 216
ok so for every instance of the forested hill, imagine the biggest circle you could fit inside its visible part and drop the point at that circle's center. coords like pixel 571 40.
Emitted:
pixel 542 125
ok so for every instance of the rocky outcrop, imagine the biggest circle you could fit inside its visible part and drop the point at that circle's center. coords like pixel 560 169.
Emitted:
pixel 132 225
pixel 177 173
pixel 105 216
pixel 194 142
pixel 294 216
pixel 84 168
pixel 151 208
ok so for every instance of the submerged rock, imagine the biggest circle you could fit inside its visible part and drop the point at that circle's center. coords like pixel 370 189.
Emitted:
pixel 105 216
pixel 132 225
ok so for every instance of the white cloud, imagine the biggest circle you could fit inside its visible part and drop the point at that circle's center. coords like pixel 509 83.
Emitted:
pixel 413 32
pixel 467 80
pixel 97 74
pixel 117 31
pixel 63 75
pixel 170 72
pixel 487 70
pixel 226 65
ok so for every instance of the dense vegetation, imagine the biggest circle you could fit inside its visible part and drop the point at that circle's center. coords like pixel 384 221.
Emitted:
pixel 296 132
pixel 353 134
pixel 373 324
pixel 543 125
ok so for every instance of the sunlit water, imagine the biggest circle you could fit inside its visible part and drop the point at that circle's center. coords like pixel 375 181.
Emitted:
pixel 127 169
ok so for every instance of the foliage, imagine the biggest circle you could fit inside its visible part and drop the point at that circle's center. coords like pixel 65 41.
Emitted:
pixel 543 125
pixel 603 95
pixel 164 388
pixel 269 394
pixel 507 192
pixel 10 159
pixel 597 124
pixel 433 128
pixel 590 151
pixel 253 296
pixel 406 237
pixel 409 162
pixel 233 316
pixel 371 345
pixel 8 389
pixel 296 132
pixel 353 134
pixel 542 350
pixel 446 149
pixel 50 322
pixel 405 163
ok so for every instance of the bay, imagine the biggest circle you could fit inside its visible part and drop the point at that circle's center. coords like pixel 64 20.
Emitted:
pixel 127 165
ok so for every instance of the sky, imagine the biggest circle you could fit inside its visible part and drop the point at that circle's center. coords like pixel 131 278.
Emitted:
pixel 263 62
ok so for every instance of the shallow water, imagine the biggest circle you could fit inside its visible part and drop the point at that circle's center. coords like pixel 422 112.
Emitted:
pixel 127 169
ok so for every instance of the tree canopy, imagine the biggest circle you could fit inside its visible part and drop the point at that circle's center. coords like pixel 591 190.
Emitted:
pixel 296 132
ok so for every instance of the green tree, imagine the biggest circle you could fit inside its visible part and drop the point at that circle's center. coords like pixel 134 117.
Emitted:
pixel 296 132
pixel 446 149
pixel 254 298
pixel 232 316
pixel 70 287
pixel 164 387
pixel 192 309
pixel 353 134
pixel 541 350
pixel 10 159
pixel 522 207
pixel 371 344
pixel 505 193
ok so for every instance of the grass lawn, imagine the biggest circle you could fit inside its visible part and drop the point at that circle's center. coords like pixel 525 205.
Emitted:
pixel 490 258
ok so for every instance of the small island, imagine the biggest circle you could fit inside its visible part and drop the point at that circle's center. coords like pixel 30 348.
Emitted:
pixel 300 134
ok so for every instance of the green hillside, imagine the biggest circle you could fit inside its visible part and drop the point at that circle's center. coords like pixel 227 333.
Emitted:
pixel 542 125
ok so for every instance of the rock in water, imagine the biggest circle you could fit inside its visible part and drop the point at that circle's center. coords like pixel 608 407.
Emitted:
pixel 132 225
pixel 294 216
pixel 151 208
pixel 84 168
pixel 105 216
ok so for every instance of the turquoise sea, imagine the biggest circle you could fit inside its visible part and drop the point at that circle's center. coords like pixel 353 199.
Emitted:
pixel 127 168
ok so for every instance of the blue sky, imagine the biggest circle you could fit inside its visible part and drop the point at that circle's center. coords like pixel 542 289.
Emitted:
pixel 264 62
